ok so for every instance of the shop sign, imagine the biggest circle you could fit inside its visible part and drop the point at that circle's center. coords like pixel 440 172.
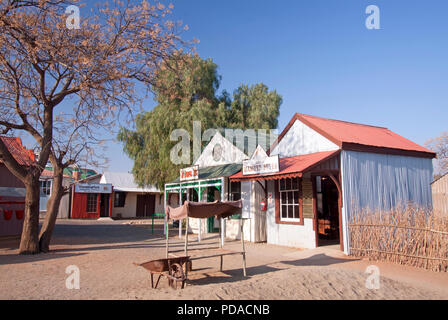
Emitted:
pixel 190 173
pixel 93 188
pixel 261 166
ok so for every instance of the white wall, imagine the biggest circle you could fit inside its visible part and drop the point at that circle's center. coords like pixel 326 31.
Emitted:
pixel 285 234
pixel 159 208
pixel 301 139
pixel 130 206
pixel 382 182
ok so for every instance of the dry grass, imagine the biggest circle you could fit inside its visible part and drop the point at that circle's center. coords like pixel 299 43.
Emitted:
pixel 409 236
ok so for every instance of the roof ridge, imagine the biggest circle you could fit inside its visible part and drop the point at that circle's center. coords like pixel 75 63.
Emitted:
pixel 336 120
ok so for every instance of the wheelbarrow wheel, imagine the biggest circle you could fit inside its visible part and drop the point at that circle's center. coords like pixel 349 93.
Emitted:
pixel 177 273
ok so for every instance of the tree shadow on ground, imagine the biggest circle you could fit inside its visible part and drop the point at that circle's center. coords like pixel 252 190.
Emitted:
pixel 11 259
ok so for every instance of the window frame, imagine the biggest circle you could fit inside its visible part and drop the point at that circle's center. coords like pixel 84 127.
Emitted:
pixel 121 201
pixel 278 202
pixel 231 196
pixel 48 186
pixel 88 204
pixel 237 192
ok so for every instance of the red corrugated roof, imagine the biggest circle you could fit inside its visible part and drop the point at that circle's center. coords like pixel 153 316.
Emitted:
pixel 289 167
pixel 22 155
pixel 360 137
pixel 49 174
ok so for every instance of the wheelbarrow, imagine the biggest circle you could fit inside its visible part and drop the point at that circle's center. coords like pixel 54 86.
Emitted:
pixel 171 268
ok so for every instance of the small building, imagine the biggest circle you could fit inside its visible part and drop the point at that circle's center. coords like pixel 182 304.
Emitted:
pixel 70 175
pixel 329 170
pixel 114 195
pixel 12 189
pixel 130 200
pixel 440 195
pixel 208 180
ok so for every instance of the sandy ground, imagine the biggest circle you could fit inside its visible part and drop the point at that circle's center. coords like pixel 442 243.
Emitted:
pixel 104 252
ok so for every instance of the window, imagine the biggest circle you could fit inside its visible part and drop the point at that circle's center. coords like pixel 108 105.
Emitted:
pixel 91 202
pixel 235 194
pixel 45 188
pixel 289 199
pixel 235 191
pixel 119 199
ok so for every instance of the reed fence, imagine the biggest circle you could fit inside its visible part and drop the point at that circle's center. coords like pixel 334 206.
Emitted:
pixel 408 236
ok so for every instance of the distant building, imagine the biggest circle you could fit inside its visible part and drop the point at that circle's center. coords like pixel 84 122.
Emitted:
pixel 71 175
pixel 12 190
pixel 440 195
pixel 130 200
pixel 114 195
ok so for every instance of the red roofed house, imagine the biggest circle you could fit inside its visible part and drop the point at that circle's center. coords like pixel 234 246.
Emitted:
pixel 328 169
pixel 12 190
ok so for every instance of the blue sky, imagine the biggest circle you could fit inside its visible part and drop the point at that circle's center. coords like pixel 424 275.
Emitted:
pixel 321 58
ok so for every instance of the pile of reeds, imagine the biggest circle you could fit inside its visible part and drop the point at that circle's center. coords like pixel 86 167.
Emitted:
pixel 408 236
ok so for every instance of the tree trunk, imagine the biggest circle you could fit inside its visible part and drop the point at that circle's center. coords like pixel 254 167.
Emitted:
pixel 57 192
pixel 29 243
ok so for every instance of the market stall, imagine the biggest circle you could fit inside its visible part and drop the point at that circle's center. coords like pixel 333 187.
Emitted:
pixel 217 209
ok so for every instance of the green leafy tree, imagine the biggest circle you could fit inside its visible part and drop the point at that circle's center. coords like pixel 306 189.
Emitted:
pixel 186 91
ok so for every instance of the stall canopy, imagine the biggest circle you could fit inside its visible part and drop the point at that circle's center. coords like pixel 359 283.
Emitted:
pixel 219 209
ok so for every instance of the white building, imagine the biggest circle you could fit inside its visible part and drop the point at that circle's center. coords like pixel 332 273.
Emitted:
pixel 440 195
pixel 129 200
pixel 328 170
pixel 219 160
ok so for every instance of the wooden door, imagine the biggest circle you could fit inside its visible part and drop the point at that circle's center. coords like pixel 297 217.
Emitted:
pixel 150 205
pixel 146 204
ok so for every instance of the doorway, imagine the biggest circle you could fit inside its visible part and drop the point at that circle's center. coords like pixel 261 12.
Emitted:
pixel 146 204
pixel 104 205
pixel 212 223
pixel 327 211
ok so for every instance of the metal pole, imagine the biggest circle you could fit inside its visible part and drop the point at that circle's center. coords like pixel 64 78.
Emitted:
pixel 244 249
pixel 164 208
pixel 186 238
pixel 167 234
pixel 222 222
pixel 220 233
pixel 200 220
pixel 180 221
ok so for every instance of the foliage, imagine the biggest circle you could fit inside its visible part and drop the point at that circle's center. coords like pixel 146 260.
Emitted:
pixel 95 68
pixel 187 91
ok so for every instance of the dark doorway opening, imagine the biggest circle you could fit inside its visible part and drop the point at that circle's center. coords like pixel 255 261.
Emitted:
pixel 104 205
pixel 212 195
pixel 146 204
pixel 327 211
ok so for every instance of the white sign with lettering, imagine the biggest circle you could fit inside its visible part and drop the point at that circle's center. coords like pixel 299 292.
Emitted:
pixel 191 173
pixel 261 166
pixel 93 188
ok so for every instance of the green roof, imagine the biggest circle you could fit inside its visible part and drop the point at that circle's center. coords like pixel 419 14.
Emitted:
pixel 85 173
pixel 214 172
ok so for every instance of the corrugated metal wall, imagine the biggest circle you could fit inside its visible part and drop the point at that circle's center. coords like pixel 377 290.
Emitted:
pixel 381 182
pixel 440 195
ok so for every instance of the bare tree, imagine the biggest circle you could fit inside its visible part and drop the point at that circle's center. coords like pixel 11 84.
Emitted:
pixel 45 67
pixel 74 142
pixel 440 146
